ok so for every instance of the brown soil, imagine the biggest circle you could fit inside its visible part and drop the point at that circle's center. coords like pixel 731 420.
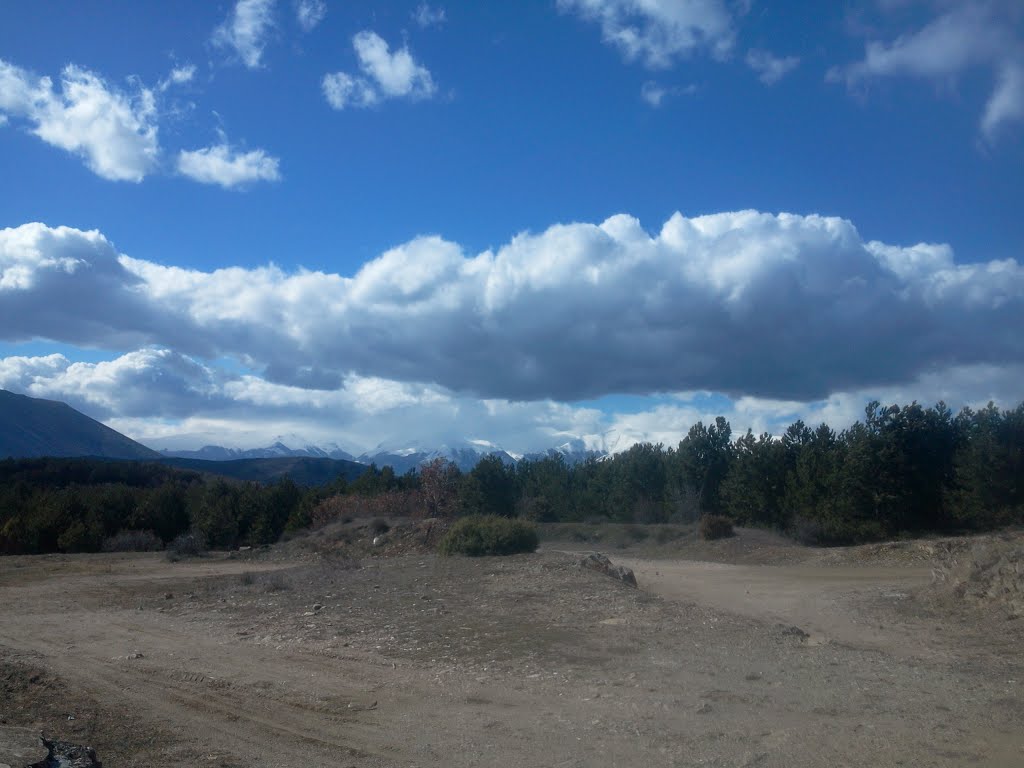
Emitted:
pixel 825 658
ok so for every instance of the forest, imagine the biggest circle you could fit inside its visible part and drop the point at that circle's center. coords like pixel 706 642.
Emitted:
pixel 900 471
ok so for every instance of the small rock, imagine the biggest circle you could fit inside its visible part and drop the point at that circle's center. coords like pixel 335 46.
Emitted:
pixel 600 563
pixel 795 632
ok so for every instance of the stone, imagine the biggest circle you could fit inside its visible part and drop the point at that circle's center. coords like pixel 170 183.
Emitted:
pixel 600 563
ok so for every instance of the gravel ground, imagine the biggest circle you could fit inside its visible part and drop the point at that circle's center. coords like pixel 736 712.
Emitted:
pixel 824 658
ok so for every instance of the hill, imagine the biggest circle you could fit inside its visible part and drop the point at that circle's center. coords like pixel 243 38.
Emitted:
pixel 303 470
pixel 31 427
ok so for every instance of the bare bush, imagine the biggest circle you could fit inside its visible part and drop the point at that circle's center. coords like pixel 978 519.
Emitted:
pixel 713 527
pixel 133 541
pixel 186 545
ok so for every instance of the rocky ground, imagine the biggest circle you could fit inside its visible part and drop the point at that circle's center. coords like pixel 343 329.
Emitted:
pixel 321 654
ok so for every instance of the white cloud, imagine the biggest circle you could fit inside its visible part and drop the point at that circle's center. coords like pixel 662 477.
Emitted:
pixel 746 303
pixel 245 31
pixel 426 16
pixel 659 31
pixel 178 76
pixel 146 383
pixel 387 75
pixel 342 90
pixel 114 132
pixel 309 13
pixel 653 93
pixel 1006 105
pixel 221 164
pixel 965 36
pixel 769 67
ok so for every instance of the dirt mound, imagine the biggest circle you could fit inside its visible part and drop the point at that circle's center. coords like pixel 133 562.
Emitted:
pixel 988 574
pixel 908 552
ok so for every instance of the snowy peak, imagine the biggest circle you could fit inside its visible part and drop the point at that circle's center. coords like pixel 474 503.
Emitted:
pixel 465 454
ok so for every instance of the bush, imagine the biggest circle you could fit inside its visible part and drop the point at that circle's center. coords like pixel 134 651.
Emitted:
pixel 489 535
pixel 133 541
pixel 185 545
pixel 713 527
pixel 379 526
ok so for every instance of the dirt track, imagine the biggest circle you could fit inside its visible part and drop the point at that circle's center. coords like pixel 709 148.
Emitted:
pixel 525 661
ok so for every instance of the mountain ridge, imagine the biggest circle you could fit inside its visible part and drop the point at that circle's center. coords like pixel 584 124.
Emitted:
pixel 31 427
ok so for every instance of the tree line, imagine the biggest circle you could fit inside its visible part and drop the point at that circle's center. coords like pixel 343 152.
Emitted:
pixel 81 505
pixel 901 470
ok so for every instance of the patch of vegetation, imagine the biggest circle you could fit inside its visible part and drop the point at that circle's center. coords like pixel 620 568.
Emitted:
pixel 185 545
pixel 133 541
pixel 713 527
pixel 379 526
pixel 482 535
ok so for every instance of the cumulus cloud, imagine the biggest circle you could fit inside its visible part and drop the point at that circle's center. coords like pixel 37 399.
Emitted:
pixel 745 303
pixel 657 32
pixel 963 37
pixel 223 165
pixel 246 29
pixel 386 75
pixel 113 131
pixel 309 13
pixel 769 67
pixel 146 383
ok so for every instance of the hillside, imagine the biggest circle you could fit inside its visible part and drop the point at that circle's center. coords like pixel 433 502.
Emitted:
pixel 32 427
pixel 303 470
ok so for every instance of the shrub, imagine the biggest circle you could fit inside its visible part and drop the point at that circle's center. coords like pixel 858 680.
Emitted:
pixel 133 541
pixel 379 526
pixel 488 535
pixel 715 527
pixel 185 545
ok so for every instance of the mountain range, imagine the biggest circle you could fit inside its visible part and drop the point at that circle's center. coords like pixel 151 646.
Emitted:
pixel 465 454
pixel 31 427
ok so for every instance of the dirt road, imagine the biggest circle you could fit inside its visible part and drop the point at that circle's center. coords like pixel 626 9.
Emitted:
pixel 524 661
pixel 826 602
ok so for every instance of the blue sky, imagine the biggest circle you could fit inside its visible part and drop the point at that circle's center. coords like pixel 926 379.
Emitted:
pixel 385 222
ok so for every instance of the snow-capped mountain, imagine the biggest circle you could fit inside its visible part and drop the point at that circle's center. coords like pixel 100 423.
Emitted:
pixel 401 457
pixel 276 450
pixel 465 454
pixel 574 451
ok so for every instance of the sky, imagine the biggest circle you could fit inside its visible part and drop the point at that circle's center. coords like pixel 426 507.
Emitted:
pixel 399 223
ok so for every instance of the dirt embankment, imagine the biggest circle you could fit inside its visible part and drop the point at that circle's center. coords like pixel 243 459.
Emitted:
pixel 828 658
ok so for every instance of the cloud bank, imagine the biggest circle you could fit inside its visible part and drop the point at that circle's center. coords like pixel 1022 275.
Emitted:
pixel 169 400
pixel 780 306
